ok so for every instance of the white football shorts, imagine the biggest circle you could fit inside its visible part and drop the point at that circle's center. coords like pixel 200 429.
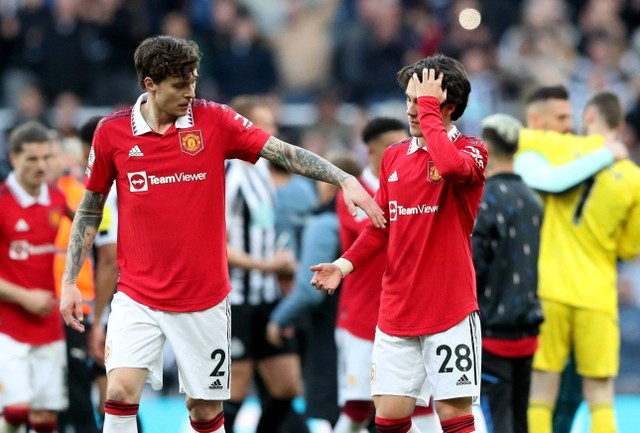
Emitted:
pixel 443 366
pixel 33 374
pixel 354 367
pixel 200 340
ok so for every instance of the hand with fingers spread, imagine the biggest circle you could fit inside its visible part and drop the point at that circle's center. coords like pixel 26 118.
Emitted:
pixel 431 85
pixel 71 306
pixel 355 194
pixel 327 277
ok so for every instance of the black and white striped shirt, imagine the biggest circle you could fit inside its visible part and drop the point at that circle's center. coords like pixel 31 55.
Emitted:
pixel 250 214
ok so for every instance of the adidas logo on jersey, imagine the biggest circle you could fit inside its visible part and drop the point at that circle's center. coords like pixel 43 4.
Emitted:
pixel 22 226
pixel 216 384
pixel 135 151
pixel 464 380
pixel 393 177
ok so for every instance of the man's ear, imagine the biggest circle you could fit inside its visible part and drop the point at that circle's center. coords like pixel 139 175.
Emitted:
pixel 533 120
pixel 149 85
pixel 447 109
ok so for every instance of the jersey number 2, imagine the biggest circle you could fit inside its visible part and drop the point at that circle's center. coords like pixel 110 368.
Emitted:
pixel 220 356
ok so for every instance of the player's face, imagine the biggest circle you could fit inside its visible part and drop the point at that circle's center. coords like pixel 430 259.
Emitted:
pixel 557 116
pixel 412 110
pixel 380 144
pixel 264 118
pixel 174 94
pixel 31 165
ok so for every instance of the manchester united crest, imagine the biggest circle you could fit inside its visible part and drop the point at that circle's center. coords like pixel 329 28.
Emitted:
pixel 191 141
pixel 433 175
pixel 54 217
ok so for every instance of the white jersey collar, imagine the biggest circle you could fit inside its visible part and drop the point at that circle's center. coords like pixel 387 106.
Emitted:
pixel 414 146
pixel 139 126
pixel 370 179
pixel 25 199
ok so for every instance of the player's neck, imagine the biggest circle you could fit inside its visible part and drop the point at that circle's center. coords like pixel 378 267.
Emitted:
pixel 499 165
pixel 155 118
pixel 32 190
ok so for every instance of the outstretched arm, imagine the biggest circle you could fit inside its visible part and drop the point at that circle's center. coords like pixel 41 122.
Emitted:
pixel 305 163
pixel 83 233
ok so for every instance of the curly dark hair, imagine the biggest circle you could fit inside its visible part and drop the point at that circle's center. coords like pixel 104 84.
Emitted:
pixel 161 57
pixel 455 79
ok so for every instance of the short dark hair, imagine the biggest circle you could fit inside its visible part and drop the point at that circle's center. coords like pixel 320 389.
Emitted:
pixel 544 93
pixel 380 125
pixel 87 130
pixel 346 162
pixel 455 79
pixel 608 106
pixel 161 57
pixel 28 132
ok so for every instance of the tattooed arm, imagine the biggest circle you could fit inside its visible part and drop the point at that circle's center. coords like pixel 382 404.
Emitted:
pixel 305 163
pixel 83 232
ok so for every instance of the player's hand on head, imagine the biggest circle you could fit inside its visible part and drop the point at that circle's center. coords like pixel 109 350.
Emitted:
pixel 71 306
pixel 327 277
pixel 355 195
pixel 430 84
pixel 39 301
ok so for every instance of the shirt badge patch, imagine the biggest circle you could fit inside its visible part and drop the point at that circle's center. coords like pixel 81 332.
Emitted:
pixel 54 217
pixel 433 175
pixel 191 141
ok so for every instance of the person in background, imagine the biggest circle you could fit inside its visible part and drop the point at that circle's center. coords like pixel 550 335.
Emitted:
pixel 505 245
pixel 254 264
pixel 585 230
pixel 32 346
pixel 80 413
pixel 320 241
pixel 549 123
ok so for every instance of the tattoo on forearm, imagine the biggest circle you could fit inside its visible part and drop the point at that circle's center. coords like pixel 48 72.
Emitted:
pixel 301 161
pixel 83 232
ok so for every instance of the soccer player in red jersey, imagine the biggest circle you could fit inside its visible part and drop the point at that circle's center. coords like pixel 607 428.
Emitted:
pixel 32 347
pixel 360 297
pixel 428 336
pixel 166 154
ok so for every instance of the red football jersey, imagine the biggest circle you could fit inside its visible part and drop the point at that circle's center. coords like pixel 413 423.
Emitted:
pixel 28 229
pixel 172 236
pixel 430 196
pixel 360 291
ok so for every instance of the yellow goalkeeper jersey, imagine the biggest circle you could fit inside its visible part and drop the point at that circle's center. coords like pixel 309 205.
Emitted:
pixel 587 228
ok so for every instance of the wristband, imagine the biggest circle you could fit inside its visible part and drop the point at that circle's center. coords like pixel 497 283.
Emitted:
pixel 345 266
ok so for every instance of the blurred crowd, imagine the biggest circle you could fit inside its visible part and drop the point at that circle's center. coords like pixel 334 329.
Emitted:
pixel 328 65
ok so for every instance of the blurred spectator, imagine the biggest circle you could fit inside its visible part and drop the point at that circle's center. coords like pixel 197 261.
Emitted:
pixel 370 52
pixel 242 61
pixel 540 49
pixel 302 47
pixel 336 134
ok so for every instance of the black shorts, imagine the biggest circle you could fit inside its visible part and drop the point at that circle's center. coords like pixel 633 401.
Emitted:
pixel 248 333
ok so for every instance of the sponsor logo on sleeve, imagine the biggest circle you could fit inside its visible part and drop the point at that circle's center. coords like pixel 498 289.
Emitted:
pixel 191 142
pixel 475 153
